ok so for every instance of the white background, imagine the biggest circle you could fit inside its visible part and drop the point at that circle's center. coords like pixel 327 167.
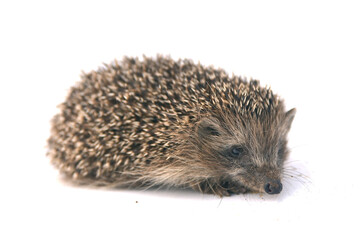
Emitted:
pixel 307 51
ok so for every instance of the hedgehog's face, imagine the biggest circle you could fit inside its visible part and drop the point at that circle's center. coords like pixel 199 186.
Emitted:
pixel 250 153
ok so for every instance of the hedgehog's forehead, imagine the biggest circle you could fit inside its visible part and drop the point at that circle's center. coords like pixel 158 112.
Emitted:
pixel 264 127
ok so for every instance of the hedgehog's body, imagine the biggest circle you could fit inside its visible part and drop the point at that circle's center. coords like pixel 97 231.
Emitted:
pixel 160 122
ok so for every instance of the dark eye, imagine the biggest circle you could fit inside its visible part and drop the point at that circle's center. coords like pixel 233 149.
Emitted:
pixel 236 151
pixel 281 152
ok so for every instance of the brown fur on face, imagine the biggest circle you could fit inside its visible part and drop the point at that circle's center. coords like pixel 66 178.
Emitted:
pixel 161 122
pixel 262 142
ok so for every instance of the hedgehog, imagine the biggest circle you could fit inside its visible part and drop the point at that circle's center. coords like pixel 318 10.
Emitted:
pixel 160 122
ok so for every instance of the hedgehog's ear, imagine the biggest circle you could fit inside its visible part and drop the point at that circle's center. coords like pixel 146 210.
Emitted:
pixel 208 127
pixel 289 117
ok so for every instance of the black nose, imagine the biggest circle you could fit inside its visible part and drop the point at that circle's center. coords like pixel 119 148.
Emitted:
pixel 273 187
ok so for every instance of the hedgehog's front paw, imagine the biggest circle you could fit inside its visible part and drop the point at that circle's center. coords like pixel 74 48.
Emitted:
pixel 211 188
pixel 233 188
pixel 221 189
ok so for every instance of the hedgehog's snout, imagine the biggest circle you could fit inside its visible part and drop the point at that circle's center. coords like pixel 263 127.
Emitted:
pixel 273 187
